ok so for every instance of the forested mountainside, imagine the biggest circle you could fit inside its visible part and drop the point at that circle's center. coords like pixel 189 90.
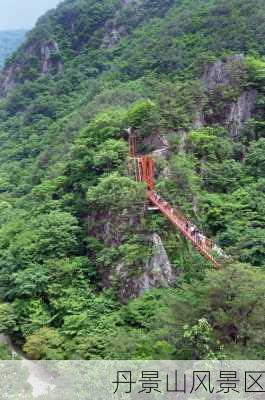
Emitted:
pixel 86 270
pixel 9 42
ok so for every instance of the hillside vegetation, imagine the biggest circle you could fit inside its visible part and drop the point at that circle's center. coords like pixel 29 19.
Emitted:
pixel 9 42
pixel 77 249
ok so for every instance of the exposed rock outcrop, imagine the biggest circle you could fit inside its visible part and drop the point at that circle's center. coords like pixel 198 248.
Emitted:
pixel 241 112
pixel 199 120
pixel 8 78
pixel 223 75
pixel 49 62
pixel 157 273
pixel 162 153
pixel 113 30
pixel 182 147
pixel 223 72
pixel 155 142
pixel 113 34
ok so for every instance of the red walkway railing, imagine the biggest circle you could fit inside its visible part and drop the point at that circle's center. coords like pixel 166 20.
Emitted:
pixel 143 170
pixel 183 225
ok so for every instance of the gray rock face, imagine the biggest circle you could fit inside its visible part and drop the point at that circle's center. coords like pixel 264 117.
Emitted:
pixel 8 78
pixel 199 120
pixel 157 273
pixel 114 30
pixel 47 63
pixel 216 75
pixel 162 153
pixel 241 111
pixel 229 74
pixel 155 141
pixel 113 34
pixel 221 72
pixel 44 51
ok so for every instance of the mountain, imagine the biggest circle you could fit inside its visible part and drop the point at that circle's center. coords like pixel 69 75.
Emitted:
pixel 9 42
pixel 87 269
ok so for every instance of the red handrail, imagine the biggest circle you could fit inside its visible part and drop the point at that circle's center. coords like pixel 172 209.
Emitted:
pixel 181 222
pixel 144 172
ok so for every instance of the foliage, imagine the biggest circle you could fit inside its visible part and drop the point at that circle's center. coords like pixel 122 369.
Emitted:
pixel 255 159
pixel 202 341
pixel 43 345
pixel 115 193
pixel 7 318
pixel 74 222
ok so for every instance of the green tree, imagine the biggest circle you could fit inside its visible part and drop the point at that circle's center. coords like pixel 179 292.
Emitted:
pixel 255 159
pixel 7 318
pixel 116 192
pixel 44 344
pixel 110 155
pixel 204 345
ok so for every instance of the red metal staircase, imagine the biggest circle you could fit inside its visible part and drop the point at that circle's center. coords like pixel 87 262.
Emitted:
pixel 203 246
pixel 143 169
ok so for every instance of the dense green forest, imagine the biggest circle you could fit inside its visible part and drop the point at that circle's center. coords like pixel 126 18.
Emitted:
pixel 9 42
pixel 81 275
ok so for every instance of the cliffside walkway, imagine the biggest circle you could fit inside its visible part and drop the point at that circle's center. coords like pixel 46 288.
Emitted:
pixel 202 244
pixel 143 169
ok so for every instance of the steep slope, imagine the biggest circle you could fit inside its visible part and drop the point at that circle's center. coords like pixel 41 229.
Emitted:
pixel 77 240
pixel 9 42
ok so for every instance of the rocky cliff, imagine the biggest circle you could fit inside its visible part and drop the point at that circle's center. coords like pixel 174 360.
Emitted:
pixel 45 57
pixel 229 74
